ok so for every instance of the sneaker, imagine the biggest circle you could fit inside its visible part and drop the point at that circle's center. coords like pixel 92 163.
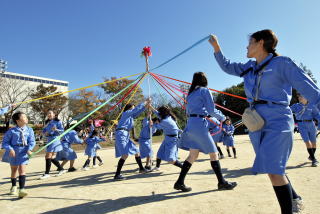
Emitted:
pixel 156 169
pixel 148 167
pixel 144 170
pixel 229 156
pixel 44 176
pixel 95 166
pixel 314 163
pixel 72 169
pixel 221 156
pixel 235 156
pixel 297 205
pixel 85 168
pixel 61 172
pixel 22 193
pixel 182 187
pixel 119 177
pixel 13 190
pixel 227 185
pixel 101 163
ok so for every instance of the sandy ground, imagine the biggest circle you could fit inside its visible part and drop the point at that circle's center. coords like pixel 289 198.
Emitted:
pixel 94 191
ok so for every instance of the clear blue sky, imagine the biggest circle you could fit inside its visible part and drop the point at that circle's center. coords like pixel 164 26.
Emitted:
pixel 82 41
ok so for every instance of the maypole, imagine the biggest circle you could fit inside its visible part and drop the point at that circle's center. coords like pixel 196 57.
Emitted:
pixel 146 52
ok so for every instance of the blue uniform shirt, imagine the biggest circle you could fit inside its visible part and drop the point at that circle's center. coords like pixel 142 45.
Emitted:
pixel 72 137
pixel 4 110
pixel 306 112
pixel 278 78
pixel 200 102
pixel 228 129
pixel 169 126
pixel 13 138
pixel 52 134
pixel 145 131
pixel 92 142
pixel 126 121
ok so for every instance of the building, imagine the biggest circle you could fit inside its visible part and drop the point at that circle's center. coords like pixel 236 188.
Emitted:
pixel 15 87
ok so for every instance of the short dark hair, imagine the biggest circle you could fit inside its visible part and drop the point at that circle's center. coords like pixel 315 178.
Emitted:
pixel 199 79
pixel 155 119
pixel 269 38
pixel 16 116
pixel 164 112
pixel 128 106
pixel 94 133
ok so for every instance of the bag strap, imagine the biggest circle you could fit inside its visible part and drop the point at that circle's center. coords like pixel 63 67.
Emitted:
pixel 261 67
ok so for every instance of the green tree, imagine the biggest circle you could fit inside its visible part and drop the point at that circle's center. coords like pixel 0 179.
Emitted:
pixel 41 107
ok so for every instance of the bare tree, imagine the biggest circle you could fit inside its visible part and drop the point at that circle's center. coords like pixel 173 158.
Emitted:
pixel 13 91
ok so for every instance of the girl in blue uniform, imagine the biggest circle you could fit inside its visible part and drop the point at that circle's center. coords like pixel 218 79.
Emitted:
pixel 268 83
pixel 305 113
pixel 68 154
pixel 125 146
pixel 52 129
pixel 228 140
pixel 91 148
pixel 145 143
pixel 217 134
pixel 196 137
pixel 18 143
pixel 168 150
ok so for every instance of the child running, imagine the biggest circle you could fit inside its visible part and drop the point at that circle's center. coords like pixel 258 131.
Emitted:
pixel 91 149
pixel 145 143
pixel 168 150
pixel 68 154
pixel 305 113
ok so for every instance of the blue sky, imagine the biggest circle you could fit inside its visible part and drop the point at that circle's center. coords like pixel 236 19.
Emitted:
pixel 82 41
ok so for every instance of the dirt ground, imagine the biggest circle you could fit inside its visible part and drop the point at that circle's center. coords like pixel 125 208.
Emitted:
pixel 94 191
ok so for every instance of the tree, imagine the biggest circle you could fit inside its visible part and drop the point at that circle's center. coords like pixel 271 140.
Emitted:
pixel 13 91
pixel 84 102
pixel 232 103
pixel 113 88
pixel 41 107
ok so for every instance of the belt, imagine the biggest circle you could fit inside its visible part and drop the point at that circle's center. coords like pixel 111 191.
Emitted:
pixel 124 129
pixel 304 120
pixel 263 102
pixel 172 135
pixel 197 115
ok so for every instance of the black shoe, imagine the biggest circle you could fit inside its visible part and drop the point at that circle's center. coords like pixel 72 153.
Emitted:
pixel 144 170
pixel 147 167
pixel 72 169
pixel 182 187
pixel 314 163
pixel 229 156
pixel 235 156
pixel 227 185
pixel 221 156
pixel 119 177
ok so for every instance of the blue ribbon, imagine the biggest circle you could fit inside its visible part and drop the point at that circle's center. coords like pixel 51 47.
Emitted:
pixel 184 51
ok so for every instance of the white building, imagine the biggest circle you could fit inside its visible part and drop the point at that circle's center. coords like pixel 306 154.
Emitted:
pixel 14 88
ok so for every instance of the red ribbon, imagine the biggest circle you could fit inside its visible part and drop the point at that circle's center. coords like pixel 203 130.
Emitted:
pixel 146 51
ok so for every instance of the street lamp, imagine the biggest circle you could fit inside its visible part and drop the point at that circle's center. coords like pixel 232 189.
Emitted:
pixel 3 66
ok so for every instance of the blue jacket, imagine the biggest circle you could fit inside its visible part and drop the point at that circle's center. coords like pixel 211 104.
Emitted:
pixel 13 138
